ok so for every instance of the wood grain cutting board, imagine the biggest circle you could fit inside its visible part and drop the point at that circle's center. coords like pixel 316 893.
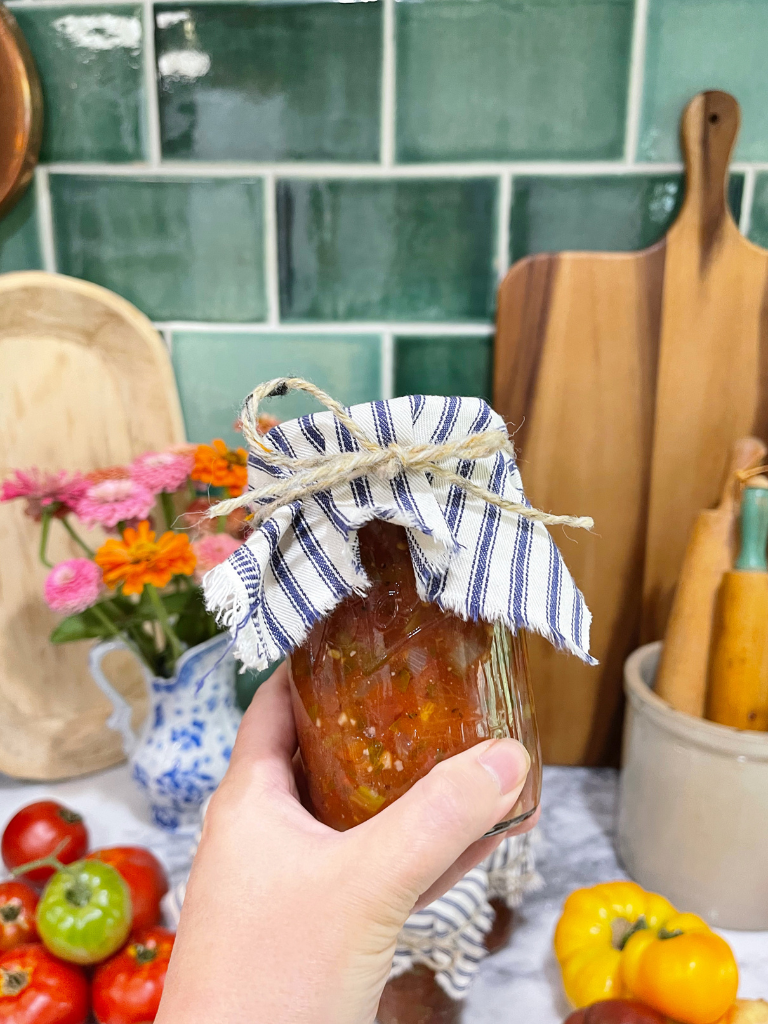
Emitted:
pixel 630 375
pixel 85 382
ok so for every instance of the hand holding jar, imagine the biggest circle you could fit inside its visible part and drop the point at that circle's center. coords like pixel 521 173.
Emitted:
pixel 286 919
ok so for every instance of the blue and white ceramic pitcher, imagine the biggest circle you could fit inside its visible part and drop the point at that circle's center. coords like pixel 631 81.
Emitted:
pixel 181 753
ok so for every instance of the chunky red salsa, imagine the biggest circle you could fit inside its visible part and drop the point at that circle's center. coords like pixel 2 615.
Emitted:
pixel 388 685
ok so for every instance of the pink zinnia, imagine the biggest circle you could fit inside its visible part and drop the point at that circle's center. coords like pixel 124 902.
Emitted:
pixel 72 586
pixel 113 501
pixel 162 471
pixel 59 492
pixel 211 550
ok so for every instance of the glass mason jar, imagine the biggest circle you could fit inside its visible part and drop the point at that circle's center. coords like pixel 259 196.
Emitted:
pixel 388 685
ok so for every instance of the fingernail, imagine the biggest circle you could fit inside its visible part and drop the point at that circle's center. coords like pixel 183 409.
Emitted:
pixel 508 762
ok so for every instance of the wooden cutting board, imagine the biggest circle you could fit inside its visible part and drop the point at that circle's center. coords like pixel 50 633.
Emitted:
pixel 585 343
pixel 85 382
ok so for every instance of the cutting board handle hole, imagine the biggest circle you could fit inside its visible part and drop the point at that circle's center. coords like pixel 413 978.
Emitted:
pixel 714 118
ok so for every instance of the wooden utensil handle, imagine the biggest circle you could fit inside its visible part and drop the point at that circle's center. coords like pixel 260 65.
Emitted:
pixel 746 453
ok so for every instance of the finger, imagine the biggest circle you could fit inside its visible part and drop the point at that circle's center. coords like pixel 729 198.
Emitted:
pixel 469 859
pixel 417 839
pixel 266 738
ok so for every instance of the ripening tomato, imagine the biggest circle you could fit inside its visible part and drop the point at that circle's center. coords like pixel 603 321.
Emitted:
pixel 616 1011
pixel 84 915
pixel 36 988
pixel 127 988
pixel 18 903
pixel 38 830
pixel 145 877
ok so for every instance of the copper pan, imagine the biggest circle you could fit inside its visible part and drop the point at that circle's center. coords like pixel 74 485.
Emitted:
pixel 21 112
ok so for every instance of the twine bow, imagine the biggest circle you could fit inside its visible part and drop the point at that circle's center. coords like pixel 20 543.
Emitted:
pixel 321 472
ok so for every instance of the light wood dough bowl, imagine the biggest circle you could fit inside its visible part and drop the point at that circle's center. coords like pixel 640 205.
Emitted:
pixel 85 382
pixel 693 806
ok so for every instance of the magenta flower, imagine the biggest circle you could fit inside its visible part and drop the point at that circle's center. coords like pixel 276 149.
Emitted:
pixel 211 550
pixel 162 471
pixel 72 586
pixel 112 501
pixel 57 493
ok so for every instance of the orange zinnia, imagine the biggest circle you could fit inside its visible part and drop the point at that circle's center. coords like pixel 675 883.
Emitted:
pixel 138 558
pixel 221 466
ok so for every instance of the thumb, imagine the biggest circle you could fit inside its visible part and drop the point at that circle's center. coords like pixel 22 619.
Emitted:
pixel 418 837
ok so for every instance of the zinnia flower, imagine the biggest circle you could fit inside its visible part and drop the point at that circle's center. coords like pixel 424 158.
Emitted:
pixel 138 558
pixel 57 493
pixel 72 586
pixel 162 471
pixel 113 501
pixel 221 466
pixel 211 550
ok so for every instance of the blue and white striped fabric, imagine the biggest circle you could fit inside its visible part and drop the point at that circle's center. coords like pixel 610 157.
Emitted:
pixel 448 935
pixel 469 557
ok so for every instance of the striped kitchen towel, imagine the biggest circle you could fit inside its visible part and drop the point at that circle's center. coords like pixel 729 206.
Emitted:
pixel 470 557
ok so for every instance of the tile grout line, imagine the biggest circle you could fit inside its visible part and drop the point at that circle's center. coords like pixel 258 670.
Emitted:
pixel 387 364
pixel 636 80
pixel 271 270
pixel 502 229
pixel 388 85
pixel 167 337
pixel 152 104
pixel 468 169
pixel 45 219
pixel 747 200
pixel 431 328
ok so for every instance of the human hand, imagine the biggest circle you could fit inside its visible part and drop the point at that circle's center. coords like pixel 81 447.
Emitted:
pixel 285 920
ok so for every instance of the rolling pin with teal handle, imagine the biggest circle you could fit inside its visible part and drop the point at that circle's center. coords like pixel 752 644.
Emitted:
pixel 738 679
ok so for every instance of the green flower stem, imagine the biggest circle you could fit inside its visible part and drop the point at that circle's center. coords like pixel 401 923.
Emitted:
pixel 105 620
pixel 168 510
pixel 162 614
pixel 46 529
pixel 78 540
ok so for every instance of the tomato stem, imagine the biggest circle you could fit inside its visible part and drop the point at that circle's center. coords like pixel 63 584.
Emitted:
pixel 9 912
pixel 144 954
pixel 12 982
pixel 51 861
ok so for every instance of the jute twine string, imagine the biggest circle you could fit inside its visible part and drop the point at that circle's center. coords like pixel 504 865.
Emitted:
pixel 322 472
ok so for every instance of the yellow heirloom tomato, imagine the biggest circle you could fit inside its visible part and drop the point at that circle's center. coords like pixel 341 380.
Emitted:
pixel 684 970
pixel 591 934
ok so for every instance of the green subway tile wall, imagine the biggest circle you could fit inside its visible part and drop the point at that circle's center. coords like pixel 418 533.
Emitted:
pixel 352 179
pixel 400 250
pixel 444 366
pixel 515 79
pixel 180 250
pixel 215 370
pixel 270 82
pixel 91 65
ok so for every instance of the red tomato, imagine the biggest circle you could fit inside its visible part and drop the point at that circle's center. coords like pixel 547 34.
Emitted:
pixel 36 988
pixel 127 988
pixel 18 903
pixel 145 877
pixel 37 830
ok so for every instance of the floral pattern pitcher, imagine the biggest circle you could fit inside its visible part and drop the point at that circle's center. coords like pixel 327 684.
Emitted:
pixel 182 751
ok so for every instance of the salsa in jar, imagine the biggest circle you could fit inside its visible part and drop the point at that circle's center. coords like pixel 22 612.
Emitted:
pixel 388 685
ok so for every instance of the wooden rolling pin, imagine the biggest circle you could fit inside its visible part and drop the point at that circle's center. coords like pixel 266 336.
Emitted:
pixel 738 681
pixel 682 676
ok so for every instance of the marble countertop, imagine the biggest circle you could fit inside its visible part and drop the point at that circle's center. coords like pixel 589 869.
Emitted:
pixel 518 985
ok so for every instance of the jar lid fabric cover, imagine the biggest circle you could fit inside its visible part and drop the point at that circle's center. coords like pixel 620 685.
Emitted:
pixel 469 557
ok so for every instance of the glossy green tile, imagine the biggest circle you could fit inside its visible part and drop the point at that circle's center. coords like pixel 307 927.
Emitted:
pixel 704 44
pixel 19 241
pixel 216 370
pixel 90 62
pixel 444 366
pixel 407 250
pixel 518 79
pixel 188 249
pixel 758 223
pixel 607 213
pixel 270 81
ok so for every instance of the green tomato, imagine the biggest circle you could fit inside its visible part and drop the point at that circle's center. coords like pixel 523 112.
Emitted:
pixel 85 912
